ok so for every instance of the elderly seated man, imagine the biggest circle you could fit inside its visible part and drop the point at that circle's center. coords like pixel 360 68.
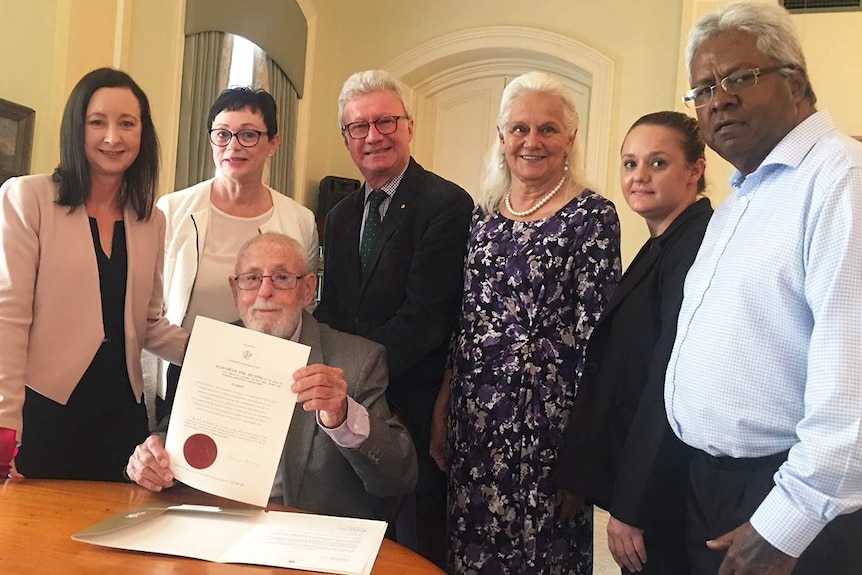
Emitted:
pixel 343 443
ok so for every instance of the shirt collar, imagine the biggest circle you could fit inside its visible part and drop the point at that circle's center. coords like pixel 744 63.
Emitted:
pixel 389 187
pixel 295 336
pixel 793 148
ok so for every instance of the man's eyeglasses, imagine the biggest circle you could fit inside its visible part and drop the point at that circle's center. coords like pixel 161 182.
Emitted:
pixel 247 138
pixel 384 126
pixel 732 84
pixel 280 280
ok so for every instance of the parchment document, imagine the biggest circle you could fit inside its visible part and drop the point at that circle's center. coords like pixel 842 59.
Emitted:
pixel 232 410
pixel 294 540
pixel 312 542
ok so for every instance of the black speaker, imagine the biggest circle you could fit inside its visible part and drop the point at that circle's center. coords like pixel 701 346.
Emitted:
pixel 332 190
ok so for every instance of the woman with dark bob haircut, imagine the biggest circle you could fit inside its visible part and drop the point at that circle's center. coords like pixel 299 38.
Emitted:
pixel 208 222
pixel 619 451
pixel 81 291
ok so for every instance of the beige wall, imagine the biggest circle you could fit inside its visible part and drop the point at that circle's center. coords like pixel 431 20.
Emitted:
pixel 833 45
pixel 50 44
pixel 27 76
pixel 55 41
pixel 154 58
pixel 831 42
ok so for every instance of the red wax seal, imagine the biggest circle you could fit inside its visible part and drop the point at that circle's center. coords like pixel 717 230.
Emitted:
pixel 200 450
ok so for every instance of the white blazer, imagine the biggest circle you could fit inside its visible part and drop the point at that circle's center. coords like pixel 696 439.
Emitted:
pixel 187 214
pixel 50 301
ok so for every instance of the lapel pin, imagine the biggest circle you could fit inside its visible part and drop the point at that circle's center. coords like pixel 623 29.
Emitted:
pixel 403 206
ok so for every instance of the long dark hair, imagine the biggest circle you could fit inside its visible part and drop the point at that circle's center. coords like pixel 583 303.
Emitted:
pixel 73 174
pixel 691 138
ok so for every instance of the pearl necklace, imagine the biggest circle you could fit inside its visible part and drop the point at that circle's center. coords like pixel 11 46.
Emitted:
pixel 537 205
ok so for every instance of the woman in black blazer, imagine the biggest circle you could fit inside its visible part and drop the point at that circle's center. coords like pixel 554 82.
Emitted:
pixel 620 452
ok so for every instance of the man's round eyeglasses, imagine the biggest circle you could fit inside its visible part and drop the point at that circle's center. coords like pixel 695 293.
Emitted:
pixel 732 84
pixel 384 126
pixel 280 280
pixel 246 138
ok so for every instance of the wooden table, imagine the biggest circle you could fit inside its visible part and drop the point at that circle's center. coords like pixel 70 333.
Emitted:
pixel 38 518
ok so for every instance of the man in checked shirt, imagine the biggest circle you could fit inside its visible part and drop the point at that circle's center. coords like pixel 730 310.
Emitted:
pixel 765 378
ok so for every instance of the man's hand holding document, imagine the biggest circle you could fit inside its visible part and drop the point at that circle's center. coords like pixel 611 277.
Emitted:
pixel 232 411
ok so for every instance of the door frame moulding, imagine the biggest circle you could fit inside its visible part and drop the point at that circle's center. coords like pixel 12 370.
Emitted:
pixel 422 67
pixel 303 189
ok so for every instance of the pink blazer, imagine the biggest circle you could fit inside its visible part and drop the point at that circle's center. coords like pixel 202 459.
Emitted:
pixel 50 304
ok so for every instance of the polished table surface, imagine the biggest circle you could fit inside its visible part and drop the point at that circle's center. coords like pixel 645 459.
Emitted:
pixel 38 518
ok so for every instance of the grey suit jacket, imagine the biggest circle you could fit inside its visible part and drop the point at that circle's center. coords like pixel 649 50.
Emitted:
pixel 322 477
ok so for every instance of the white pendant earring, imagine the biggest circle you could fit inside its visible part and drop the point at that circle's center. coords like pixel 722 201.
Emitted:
pixel 566 166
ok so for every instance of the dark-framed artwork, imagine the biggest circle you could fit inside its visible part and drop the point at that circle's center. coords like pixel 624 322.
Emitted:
pixel 16 139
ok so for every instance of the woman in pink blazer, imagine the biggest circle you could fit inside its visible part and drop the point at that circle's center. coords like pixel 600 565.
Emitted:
pixel 81 255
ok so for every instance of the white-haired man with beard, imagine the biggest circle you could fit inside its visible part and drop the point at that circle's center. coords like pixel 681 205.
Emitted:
pixel 344 447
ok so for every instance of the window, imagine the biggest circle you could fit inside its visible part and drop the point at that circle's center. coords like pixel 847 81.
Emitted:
pixel 241 62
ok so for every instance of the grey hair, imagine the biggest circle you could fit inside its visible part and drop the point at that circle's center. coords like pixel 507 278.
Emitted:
pixel 497 178
pixel 770 26
pixel 369 82
pixel 277 238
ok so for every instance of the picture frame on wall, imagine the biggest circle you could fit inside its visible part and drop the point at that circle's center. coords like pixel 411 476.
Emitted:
pixel 17 123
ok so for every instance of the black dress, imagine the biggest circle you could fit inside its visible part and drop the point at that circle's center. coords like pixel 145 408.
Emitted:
pixel 93 435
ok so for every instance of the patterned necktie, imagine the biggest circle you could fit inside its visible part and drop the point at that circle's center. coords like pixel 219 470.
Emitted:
pixel 372 226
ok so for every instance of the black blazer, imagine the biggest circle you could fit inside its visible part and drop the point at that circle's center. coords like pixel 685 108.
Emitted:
pixel 410 296
pixel 619 451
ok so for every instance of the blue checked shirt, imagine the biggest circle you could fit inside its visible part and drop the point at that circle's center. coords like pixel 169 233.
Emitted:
pixel 769 343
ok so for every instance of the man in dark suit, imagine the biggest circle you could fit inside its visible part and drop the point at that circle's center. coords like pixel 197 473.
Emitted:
pixel 394 253
pixel 343 442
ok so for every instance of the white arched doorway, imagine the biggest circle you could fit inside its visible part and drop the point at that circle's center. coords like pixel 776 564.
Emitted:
pixel 457 80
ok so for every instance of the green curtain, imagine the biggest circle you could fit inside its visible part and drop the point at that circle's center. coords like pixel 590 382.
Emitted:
pixel 206 66
pixel 271 78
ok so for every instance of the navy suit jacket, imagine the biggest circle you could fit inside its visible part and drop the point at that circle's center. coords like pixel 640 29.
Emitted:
pixel 410 295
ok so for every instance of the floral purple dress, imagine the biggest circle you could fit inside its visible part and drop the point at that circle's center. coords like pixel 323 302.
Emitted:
pixel 532 293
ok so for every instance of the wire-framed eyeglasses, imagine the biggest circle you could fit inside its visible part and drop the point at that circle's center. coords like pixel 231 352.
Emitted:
pixel 384 126
pixel 280 280
pixel 247 138
pixel 732 84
